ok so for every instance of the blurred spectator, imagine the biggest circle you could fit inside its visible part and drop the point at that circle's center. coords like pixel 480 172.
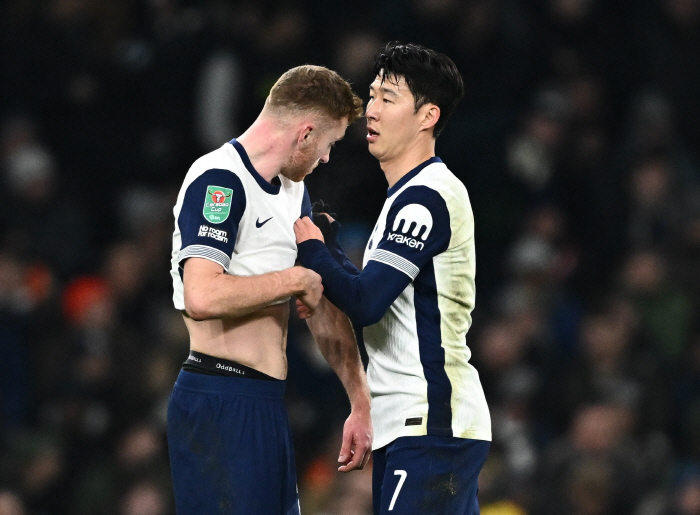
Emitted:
pixel 686 494
pixel 595 469
pixel 145 498
pixel 41 222
pixel 533 153
pixel 665 310
pixel 11 504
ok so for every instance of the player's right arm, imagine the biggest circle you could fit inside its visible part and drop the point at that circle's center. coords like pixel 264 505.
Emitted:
pixel 210 293
pixel 208 213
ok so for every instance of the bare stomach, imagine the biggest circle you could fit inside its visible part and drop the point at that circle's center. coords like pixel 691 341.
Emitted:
pixel 258 340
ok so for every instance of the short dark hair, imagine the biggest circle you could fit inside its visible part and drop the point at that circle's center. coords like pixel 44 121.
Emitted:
pixel 431 77
pixel 318 89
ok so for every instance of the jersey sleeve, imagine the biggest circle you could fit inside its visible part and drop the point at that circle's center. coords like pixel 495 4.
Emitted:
pixel 365 296
pixel 417 229
pixel 211 211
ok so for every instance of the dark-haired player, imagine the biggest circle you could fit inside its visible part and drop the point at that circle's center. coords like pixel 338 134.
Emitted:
pixel 414 296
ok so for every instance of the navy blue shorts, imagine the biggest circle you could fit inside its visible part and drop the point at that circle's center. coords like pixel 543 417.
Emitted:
pixel 428 475
pixel 230 447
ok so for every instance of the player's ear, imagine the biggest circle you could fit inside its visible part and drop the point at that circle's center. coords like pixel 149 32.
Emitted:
pixel 305 133
pixel 431 114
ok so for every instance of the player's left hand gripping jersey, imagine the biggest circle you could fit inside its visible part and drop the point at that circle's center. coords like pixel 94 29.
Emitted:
pixel 227 213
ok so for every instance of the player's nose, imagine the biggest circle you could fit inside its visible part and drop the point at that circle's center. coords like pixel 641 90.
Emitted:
pixel 371 112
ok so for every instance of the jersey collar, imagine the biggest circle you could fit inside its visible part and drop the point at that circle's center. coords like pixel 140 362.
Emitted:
pixel 266 186
pixel 410 175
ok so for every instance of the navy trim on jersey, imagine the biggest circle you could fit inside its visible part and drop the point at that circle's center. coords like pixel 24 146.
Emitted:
pixel 432 354
pixel 410 175
pixel 366 297
pixel 417 229
pixel 305 204
pixel 205 252
pixel 266 186
pixel 396 261
pixel 200 237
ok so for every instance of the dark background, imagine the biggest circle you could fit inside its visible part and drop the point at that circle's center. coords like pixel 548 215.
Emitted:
pixel 578 141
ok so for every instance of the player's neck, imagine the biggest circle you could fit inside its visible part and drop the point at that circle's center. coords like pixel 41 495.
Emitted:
pixel 267 148
pixel 396 167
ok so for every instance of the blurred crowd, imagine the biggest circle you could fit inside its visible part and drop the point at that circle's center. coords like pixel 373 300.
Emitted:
pixel 579 143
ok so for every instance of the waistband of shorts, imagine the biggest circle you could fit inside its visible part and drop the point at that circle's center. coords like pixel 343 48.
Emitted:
pixel 230 385
pixel 206 364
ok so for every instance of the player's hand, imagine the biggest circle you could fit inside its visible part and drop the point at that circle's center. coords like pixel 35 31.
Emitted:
pixel 357 441
pixel 310 290
pixel 302 310
pixel 305 229
pixel 330 218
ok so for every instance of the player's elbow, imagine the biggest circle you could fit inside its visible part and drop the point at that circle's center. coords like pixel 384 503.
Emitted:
pixel 198 307
pixel 366 317
pixel 365 310
pixel 197 314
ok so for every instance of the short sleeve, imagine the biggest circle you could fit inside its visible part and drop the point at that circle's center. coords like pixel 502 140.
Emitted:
pixel 211 212
pixel 417 229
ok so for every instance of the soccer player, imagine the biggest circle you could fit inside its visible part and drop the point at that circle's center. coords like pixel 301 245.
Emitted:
pixel 414 296
pixel 233 273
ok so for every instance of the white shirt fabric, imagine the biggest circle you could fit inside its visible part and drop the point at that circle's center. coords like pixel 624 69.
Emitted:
pixel 419 372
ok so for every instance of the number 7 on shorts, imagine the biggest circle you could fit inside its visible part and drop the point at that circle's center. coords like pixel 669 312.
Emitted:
pixel 403 475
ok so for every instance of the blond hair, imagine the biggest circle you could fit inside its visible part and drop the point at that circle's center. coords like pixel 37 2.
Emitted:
pixel 317 89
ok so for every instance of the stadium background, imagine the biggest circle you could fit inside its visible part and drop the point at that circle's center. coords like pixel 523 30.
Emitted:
pixel 577 140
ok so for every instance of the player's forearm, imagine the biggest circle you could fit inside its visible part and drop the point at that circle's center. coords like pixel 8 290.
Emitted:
pixel 366 297
pixel 336 340
pixel 226 296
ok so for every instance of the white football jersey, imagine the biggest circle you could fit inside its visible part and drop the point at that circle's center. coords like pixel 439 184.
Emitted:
pixel 419 372
pixel 227 213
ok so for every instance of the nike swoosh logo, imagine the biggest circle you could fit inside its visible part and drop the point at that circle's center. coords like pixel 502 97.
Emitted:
pixel 259 224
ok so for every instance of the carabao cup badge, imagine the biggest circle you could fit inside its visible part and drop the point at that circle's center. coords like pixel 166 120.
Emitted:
pixel 217 204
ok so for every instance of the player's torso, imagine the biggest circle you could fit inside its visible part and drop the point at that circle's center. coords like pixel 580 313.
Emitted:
pixel 420 341
pixel 264 242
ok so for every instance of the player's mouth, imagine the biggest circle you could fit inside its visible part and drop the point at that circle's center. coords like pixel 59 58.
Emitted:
pixel 371 134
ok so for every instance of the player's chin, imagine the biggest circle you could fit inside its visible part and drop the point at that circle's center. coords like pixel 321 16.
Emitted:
pixel 297 177
pixel 374 150
pixel 301 175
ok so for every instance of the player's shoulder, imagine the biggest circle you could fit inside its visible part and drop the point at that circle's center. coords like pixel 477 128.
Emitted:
pixel 222 158
pixel 222 165
pixel 436 190
pixel 439 177
pixel 435 181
